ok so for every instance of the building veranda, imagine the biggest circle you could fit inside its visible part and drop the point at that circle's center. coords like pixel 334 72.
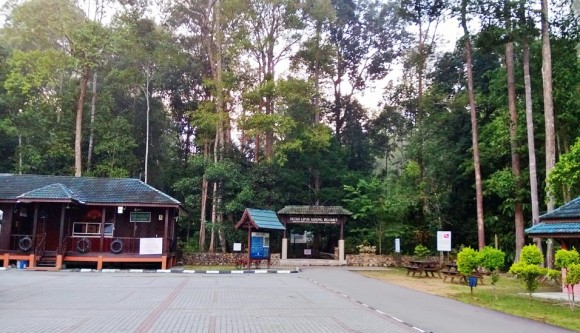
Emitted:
pixel 51 221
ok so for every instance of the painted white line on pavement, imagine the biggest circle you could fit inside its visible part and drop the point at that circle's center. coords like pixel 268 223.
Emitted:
pixel 397 319
pixel 418 329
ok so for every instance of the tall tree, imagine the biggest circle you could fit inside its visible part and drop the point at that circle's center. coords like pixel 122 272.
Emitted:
pixel 526 29
pixel 513 126
pixel 548 113
pixel 474 136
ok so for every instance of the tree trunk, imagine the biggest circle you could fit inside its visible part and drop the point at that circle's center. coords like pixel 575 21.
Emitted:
pixel 213 220
pixel 79 121
pixel 203 204
pixel 548 113
pixel 92 130
pixel 516 172
pixel 474 136
pixel 475 144
pixel 531 143
pixel 148 103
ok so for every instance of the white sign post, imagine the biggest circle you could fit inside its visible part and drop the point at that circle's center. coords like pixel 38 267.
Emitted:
pixel 397 245
pixel 444 241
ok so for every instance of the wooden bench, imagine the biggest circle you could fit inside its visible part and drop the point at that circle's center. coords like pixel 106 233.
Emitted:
pixel 411 268
pixel 454 274
pixel 449 273
pixel 432 270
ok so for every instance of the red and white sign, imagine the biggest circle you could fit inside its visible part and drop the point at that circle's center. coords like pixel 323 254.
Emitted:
pixel 443 240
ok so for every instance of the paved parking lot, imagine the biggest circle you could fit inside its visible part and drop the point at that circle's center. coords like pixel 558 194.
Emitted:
pixel 157 302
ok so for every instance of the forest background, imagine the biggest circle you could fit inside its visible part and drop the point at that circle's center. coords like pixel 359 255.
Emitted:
pixel 228 104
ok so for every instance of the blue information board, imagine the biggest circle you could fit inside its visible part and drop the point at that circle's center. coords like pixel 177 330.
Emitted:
pixel 260 245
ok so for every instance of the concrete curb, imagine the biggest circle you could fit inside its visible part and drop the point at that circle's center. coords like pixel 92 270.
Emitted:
pixel 182 271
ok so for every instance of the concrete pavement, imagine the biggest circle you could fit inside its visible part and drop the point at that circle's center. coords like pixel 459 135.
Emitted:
pixel 325 299
pixel 156 302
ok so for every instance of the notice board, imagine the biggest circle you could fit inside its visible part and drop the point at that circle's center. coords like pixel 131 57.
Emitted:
pixel 260 245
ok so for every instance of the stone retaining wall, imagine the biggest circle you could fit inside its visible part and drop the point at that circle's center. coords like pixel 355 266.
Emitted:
pixel 230 259
pixel 221 259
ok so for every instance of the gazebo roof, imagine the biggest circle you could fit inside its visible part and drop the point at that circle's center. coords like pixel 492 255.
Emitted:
pixel 260 219
pixel 551 229
pixel 568 211
pixel 314 210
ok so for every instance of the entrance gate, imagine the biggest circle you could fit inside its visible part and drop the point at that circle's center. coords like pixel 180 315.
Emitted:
pixel 314 215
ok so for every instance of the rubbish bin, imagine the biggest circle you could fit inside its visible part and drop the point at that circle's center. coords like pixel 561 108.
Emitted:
pixel 22 264
pixel 472 281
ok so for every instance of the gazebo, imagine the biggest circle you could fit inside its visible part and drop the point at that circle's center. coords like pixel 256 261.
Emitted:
pixel 561 224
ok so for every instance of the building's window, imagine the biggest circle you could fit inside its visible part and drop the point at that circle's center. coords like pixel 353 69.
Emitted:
pixel 88 229
pixel 1 215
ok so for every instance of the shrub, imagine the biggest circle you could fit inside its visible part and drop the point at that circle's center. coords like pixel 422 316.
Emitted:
pixel 364 248
pixel 421 251
pixel 491 259
pixel 565 258
pixel 572 278
pixel 531 255
pixel 528 269
pixel 467 261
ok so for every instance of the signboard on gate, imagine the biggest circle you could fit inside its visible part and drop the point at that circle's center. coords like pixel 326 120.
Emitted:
pixel 443 240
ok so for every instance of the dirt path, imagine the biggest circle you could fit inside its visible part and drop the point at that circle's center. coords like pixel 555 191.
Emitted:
pixel 434 286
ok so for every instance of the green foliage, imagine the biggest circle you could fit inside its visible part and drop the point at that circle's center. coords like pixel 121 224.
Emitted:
pixel 528 269
pixel 491 259
pixel 565 258
pixel 366 248
pixel 572 274
pixel 468 260
pixel 531 255
pixel 566 173
pixel 421 251
pixel 554 275
pixel 529 274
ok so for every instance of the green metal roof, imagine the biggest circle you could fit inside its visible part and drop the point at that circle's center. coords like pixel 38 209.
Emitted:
pixel 87 190
pixel 260 219
pixel 314 210
pixel 554 228
pixel 570 211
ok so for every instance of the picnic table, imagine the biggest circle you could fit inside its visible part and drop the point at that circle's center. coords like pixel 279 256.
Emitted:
pixel 452 273
pixel 421 267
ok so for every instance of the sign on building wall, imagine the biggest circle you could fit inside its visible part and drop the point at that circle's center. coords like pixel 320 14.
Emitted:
pixel 150 245
pixel 140 217
pixel 443 240
pixel 260 245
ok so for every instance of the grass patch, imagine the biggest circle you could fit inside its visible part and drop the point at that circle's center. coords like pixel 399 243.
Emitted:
pixel 511 296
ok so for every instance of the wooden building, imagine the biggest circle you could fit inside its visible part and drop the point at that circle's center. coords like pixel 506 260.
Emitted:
pixel 49 221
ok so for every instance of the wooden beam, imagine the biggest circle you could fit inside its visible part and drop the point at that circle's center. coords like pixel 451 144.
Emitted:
pixel 34 224
pixel 61 233
pixel 166 232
